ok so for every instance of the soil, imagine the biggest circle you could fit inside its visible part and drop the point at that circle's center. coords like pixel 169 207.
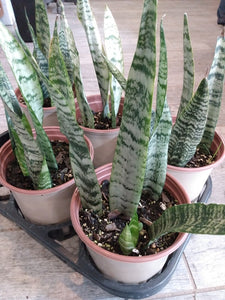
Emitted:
pixel 200 159
pixel 105 230
pixel 105 123
pixel 64 173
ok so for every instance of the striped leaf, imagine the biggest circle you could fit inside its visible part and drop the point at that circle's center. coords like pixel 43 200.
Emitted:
pixel 30 88
pixel 156 165
pixel 194 218
pixel 128 168
pixel 188 77
pixel 31 152
pixel 42 27
pixel 25 75
pixel 116 72
pixel 155 174
pixel 64 42
pixel 57 66
pixel 189 127
pixel 94 41
pixel 216 82
pixel 162 77
pixel 72 61
pixel 40 58
pixel 114 53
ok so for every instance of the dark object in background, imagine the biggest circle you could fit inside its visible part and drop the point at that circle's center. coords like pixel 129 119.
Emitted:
pixel 19 7
pixel 221 13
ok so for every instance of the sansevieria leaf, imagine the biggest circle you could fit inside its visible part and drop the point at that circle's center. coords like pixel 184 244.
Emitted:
pixel 156 165
pixel 88 21
pixel 195 218
pixel 72 61
pixel 216 83
pixel 30 88
pixel 128 168
pixel 129 236
pixel 42 27
pixel 189 127
pixel 30 157
pixel 188 76
pixel 114 53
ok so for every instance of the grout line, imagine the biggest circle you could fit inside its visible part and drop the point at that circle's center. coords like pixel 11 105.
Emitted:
pixel 190 273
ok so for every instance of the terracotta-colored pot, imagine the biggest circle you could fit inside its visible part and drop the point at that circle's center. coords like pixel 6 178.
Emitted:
pixel 43 207
pixel 193 179
pixel 104 141
pixel 127 269
pixel 49 113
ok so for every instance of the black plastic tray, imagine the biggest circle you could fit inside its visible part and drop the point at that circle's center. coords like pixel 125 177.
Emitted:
pixel 48 236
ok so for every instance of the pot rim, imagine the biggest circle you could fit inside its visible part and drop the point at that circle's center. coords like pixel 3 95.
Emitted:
pixel 74 211
pixel 6 147
pixel 217 140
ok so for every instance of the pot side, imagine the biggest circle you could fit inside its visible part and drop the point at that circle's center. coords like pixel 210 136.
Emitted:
pixel 41 207
pixel 194 179
pixel 127 269
pixel 103 141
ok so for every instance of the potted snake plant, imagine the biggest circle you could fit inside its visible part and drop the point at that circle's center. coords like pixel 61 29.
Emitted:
pixel 139 167
pixel 107 105
pixel 193 136
pixel 41 202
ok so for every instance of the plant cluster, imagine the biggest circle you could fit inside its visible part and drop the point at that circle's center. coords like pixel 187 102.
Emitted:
pixel 146 141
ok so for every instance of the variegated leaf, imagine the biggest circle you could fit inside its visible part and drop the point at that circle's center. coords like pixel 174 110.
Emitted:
pixel 197 218
pixel 216 83
pixel 42 27
pixel 95 45
pixel 57 66
pixel 128 168
pixel 189 127
pixel 188 76
pixel 114 53
pixel 156 165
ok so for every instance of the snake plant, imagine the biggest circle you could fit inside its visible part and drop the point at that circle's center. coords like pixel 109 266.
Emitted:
pixel 198 114
pixel 113 51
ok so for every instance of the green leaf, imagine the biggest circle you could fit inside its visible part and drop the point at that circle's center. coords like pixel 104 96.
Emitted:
pixel 42 27
pixel 126 241
pixel 194 218
pixel 72 61
pixel 128 168
pixel 216 83
pixel 25 75
pixel 94 41
pixel 128 238
pixel 40 58
pixel 162 77
pixel 57 66
pixel 116 73
pixel 188 79
pixel 189 127
pixel 156 166
pixel 27 150
pixel 114 53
